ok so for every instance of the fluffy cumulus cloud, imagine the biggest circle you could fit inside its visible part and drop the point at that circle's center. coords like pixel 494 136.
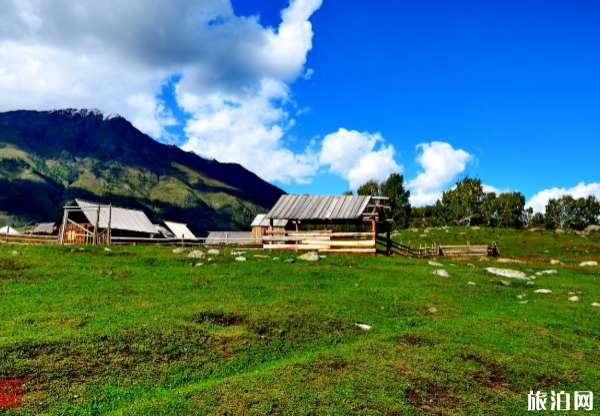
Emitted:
pixel 440 164
pixel 358 157
pixel 489 189
pixel 117 55
pixel 539 201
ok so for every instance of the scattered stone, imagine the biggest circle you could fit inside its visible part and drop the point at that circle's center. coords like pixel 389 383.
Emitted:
pixel 180 250
pixel 199 264
pixel 549 272
pixel 435 264
pixel 532 277
pixel 210 259
pixel 275 258
pixel 423 235
pixel 237 253
pixel 520 296
pixel 310 256
pixel 214 252
pixel 592 228
pixel 588 263
pixel 289 261
pixel 432 310
pixel 573 299
pixel 240 258
pixel 555 262
pixel 543 291
pixel 363 326
pixel 515 274
pixel 538 274
pixel 322 256
pixel 475 227
pixel 596 305
pixel 260 256
pixel 196 254
pixel 441 272
pixel 571 293
pixel 107 249
pixel 81 249
pixel 15 253
pixel 530 283
pixel 523 302
pixel 505 283
pixel 471 283
pixel 546 251
pixel 510 261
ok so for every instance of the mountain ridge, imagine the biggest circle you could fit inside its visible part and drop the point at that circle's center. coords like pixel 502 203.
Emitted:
pixel 58 155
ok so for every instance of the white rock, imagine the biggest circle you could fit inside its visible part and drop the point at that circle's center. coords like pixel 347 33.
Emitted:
pixel 555 262
pixel 538 274
pixel 107 249
pixel 520 296
pixel 441 272
pixel 275 258
pixel 240 259
pixel 573 299
pixel 289 261
pixel 549 272
pixel 260 256
pixel 530 283
pixel 596 305
pixel 363 326
pixel 199 264
pixel 432 310
pixel 571 293
pixel 523 302
pixel 310 256
pixel 471 283
pixel 588 263
pixel 423 235
pixel 214 252
pixel 322 256
pixel 510 261
pixel 515 274
pixel 435 264
pixel 543 291
pixel 196 254
pixel 180 250
pixel 15 253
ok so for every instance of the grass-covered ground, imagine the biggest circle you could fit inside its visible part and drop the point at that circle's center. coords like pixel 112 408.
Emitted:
pixel 142 331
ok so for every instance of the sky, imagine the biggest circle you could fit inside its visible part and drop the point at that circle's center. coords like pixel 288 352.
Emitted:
pixel 318 96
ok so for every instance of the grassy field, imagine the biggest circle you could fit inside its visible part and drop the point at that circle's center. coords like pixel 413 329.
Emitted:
pixel 142 331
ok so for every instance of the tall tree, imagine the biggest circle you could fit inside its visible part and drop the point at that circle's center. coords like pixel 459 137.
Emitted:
pixel 399 203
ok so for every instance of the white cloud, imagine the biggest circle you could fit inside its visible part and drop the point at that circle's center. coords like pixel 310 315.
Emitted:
pixel 539 201
pixel 117 55
pixel 489 188
pixel 441 163
pixel 352 155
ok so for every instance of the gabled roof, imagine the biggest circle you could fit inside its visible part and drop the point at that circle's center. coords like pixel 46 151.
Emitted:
pixel 164 231
pixel 179 230
pixel 44 228
pixel 124 219
pixel 262 221
pixel 9 230
pixel 319 207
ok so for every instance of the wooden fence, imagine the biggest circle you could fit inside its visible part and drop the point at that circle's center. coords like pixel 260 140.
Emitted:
pixel 438 250
pixel 323 241
pixel 28 239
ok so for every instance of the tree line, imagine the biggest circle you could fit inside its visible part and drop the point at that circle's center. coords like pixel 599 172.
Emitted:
pixel 467 204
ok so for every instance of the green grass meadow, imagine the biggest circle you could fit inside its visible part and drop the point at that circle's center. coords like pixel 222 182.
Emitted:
pixel 142 331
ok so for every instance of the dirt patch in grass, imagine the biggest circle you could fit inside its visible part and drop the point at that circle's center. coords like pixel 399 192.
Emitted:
pixel 432 399
pixel 412 340
pixel 491 376
pixel 219 318
pixel 11 265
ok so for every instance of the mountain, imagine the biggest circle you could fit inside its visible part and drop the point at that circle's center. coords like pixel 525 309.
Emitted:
pixel 49 158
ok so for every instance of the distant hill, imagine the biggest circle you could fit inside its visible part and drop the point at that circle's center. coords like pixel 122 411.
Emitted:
pixel 51 157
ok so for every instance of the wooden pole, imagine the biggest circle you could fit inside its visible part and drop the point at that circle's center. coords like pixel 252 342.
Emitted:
pixel 95 239
pixel 389 239
pixel 109 236
pixel 297 229
pixel 61 237
pixel 374 225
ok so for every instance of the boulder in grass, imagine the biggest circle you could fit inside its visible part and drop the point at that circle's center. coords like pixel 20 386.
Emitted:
pixel 515 274
pixel 214 252
pixel 588 263
pixel 441 272
pixel 510 261
pixel 555 262
pixel 363 327
pixel 471 283
pixel 543 291
pixel 596 305
pixel 435 264
pixel 549 272
pixel 310 256
pixel 15 253
pixel 573 299
pixel 180 250
pixel 290 261
pixel 240 258
pixel 196 254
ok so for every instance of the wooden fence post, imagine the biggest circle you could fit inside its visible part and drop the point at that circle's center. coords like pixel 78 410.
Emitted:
pixel 95 238
pixel 109 236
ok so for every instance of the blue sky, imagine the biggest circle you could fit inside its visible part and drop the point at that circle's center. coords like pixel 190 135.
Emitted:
pixel 503 90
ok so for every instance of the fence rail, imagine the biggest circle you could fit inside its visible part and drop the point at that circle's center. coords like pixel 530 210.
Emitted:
pixel 321 241
pixel 28 239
